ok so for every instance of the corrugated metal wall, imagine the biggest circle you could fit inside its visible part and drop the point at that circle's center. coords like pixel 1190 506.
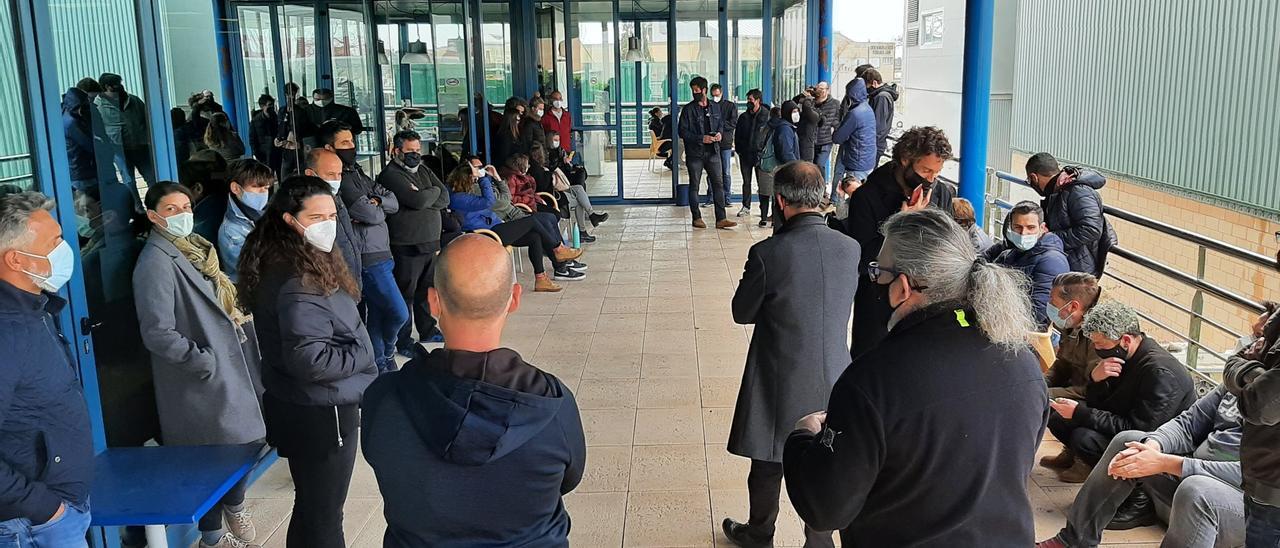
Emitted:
pixel 1179 92
pixel 15 163
pixel 92 37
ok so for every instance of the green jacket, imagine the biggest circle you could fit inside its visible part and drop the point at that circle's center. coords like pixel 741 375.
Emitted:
pixel 1075 358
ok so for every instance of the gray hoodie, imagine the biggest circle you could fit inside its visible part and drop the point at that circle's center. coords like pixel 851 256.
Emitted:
pixel 369 219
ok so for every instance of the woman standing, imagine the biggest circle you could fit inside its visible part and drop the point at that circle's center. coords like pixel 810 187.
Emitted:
pixel 220 138
pixel 509 134
pixel 204 353
pixel 316 355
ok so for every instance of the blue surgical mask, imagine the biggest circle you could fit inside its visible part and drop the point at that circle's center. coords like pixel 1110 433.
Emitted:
pixel 1055 316
pixel 1021 241
pixel 255 200
pixel 180 225
pixel 61 265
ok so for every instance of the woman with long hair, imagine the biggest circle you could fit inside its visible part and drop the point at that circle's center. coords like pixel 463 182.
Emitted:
pixel 221 138
pixel 579 203
pixel 316 355
pixel 204 352
pixel 507 138
pixel 471 195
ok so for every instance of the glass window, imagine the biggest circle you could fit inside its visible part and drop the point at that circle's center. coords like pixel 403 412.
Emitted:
pixel 257 49
pixel 495 33
pixel 551 48
pixel 789 30
pixel 191 63
pixel 450 69
pixel 15 146
pixel 353 60
pixel 746 36
pixel 596 86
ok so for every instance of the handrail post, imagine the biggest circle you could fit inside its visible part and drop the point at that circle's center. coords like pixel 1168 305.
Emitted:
pixel 1197 305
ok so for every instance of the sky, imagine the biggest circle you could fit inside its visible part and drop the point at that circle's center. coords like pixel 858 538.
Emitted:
pixel 874 20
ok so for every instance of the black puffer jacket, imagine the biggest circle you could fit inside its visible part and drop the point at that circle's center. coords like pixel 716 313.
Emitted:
pixel 829 112
pixel 1152 389
pixel 807 129
pixel 1073 211
pixel 1257 385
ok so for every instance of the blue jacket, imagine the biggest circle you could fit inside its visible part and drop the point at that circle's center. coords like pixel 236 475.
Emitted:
pixel 495 444
pixel 785 146
pixel 236 226
pixel 77 127
pixel 857 133
pixel 46 447
pixel 476 210
pixel 1042 264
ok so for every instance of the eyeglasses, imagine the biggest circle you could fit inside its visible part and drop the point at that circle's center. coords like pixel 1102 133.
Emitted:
pixel 874 270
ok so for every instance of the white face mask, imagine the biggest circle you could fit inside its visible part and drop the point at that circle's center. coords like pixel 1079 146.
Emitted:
pixel 321 235
pixel 334 184
pixel 558 104
pixel 180 225
pixel 715 98
pixel 539 112
pixel 555 143
pixel 61 265
pixel 1021 241
pixel 323 102
pixel 795 117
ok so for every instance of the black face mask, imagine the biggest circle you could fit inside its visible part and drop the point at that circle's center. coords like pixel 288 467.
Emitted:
pixel 1117 351
pixel 347 155
pixel 699 97
pixel 411 160
pixel 914 180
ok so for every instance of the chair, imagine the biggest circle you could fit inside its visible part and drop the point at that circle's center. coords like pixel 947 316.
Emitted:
pixel 654 144
pixel 514 252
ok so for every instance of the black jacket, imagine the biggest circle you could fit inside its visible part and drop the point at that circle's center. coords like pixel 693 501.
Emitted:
pixel 494 444
pixel 77 129
pixel 335 111
pixel 1153 387
pixel 422 197
pixel 46 447
pixel 315 349
pixel 695 122
pixel 882 100
pixel 263 129
pixel 929 440
pixel 807 129
pixel 829 113
pixel 881 196
pixel 1073 211
pixel 750 133
pixel 1257 385
pixel 729 114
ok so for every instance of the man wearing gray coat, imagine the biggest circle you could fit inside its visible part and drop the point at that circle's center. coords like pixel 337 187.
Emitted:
pixel 798 291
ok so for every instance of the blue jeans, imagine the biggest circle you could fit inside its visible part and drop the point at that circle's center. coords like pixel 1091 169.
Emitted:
pixel 387 311
pixel 726 160
pixel 822 157
pixel 1262 524
pixel 67 531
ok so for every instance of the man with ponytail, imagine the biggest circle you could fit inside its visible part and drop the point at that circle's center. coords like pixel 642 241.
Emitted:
pixel 929 437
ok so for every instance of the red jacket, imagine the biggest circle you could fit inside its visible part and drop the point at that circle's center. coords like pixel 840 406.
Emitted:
pixel 561 126
pixel 524 190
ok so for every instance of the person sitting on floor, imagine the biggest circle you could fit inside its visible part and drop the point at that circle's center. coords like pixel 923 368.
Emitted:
pixel 473 417
pixel 1073 295
pixel 1138 385
pixel 1185 474
pixel 1030 248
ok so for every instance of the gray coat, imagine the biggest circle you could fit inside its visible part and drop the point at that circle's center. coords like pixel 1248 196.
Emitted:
pixel 207 382
pixel 798 290
pixel 369 220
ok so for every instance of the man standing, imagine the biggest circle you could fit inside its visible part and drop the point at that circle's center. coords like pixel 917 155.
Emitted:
pixel 882 98
pixel 749 140
pixel 369 204
pixel 799 271
pixel 46 459
pixel 296 133
pixel 700 128
pixel 729 114
pixel 1073 295
pixel 829 110
pixel 558 121
pixel 415 232
pixel 125 119
pixel 1138 385
pixel 324 109
pixel 264 125
pixel 470 444
pixel 856 137
pixel 1073 210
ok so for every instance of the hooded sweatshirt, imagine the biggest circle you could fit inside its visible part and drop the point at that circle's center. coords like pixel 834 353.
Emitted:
pixel 857 133
pixel 1042 263
pixel 473 449
pixel 882 100
pixel 783 131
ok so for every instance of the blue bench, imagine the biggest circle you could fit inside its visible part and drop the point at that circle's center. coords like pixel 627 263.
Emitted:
pixel 166 485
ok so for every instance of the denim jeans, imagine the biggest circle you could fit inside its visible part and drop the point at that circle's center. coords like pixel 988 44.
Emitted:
pixel 1262 529
pixel 67 531
pixel 387 311
pixel 822 157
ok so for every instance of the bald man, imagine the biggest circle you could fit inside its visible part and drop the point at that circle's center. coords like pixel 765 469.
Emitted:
pixel 470 444
pixel 325 164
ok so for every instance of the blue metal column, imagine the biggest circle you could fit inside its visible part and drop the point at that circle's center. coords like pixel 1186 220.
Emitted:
pixel 766 51
pixel 226 33
pixel 404 73
pixel 681 189
pixel 722 57
pixel 278 57
pixel 975 102
pixel 826 41
pixel 812 15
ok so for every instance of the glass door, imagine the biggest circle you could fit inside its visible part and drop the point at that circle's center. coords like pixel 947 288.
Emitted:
pixel 594 95
pixel 352 58
pixel 646 104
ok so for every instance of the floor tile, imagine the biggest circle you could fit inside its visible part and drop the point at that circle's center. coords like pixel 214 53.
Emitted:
pixel 668 426
pixel 670 392
pixel 668 467
pixel 668 518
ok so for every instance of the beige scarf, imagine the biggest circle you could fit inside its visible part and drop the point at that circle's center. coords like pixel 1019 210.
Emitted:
pixel 205 258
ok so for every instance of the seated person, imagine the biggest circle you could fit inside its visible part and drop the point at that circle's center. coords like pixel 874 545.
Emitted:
pixel 471 197
pixel 579 203
pixel 473 417
pixel 1073 295
pixel 660 125
pixel 962 211
pixel 1138 385
pixel 1253 341
pixel 522 186
pixel 1032 249
pixel 1185 474
pixel 505 201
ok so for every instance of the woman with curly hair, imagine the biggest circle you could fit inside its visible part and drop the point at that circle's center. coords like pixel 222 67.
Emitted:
pixel 316 355
pixel 905 183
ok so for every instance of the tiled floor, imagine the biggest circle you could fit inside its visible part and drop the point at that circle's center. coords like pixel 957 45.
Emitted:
pixel 649 346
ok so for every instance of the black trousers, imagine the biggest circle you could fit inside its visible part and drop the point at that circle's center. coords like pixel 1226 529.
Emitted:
pixel 320 483
pixel 710 161
pixel 1087 444
pixel 530 233
pixel 413 271
pixel 764 486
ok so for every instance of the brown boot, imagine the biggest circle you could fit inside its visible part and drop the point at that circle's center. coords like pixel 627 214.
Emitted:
pixel 1076 474
pixel 1063 460
pixel 698 223
pixel 543 284
pixel 725 223
pixel 565 254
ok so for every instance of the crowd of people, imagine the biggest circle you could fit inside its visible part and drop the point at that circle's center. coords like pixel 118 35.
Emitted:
pixel 274 304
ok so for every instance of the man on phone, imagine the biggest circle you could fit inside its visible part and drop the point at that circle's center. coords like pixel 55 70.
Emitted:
pixel 1138 385
pixel 700 128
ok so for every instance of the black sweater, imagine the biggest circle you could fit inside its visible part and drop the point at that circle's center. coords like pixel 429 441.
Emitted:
pixel 422 197
pixel 925 444
pixel 1153 387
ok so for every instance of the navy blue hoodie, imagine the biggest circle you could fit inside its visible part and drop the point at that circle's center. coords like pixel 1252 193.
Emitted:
pixel 473 449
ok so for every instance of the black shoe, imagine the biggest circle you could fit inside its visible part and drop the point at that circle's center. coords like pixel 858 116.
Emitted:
pixel 575 265
pixel 597 218
pixel 1136 511
pixel 566 274
pixel 763 223
pixel 741 535
pixel 586 238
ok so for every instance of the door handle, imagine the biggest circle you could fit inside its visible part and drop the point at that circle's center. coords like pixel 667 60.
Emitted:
pixel 87 326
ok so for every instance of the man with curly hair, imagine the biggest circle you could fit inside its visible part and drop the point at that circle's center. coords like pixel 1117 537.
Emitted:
pixel 905 183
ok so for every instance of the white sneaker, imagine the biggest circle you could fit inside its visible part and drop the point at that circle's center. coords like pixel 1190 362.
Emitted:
pixel 240 524
pixel 229 541
pixel 746 210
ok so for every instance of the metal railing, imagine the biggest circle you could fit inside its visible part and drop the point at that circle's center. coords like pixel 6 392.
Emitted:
pixel 14 174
